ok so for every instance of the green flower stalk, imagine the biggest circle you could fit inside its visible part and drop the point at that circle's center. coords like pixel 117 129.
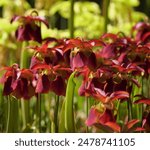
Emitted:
pixel 71 19
pixel 105 13
pixel 38 113
pixel 25 104
pixel 56 113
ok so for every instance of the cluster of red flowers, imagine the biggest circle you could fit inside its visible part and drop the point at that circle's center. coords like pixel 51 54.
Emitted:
pixel 109 67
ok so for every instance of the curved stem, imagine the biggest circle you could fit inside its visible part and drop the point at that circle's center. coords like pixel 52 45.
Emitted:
pixel 69 102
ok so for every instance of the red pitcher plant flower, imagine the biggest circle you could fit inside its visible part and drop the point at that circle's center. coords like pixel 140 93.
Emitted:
pixel 29 28
pixel 18 82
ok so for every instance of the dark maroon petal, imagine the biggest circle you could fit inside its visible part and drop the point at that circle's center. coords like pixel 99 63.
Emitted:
pixel 29 32
pixel 27 90
pixel 35 35
pixel 54 58
pixel 7 86
pixel 66 56
pixel 48 60
pixel 58 86
pixel 21 88
pixel 43 84
pixel 31 92
pixel 121 86
pixel 24 89
pixel 22 34
pixel 77 61
pixel 108 51
pixel 91 61
pixel 98 82
pixel 18 91
pixel 123 58
pixel 109 85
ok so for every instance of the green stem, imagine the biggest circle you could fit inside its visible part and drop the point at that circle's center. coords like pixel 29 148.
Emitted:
pixel 24 56
pixel 130 112
pixel 8 126
pixel 71 19
pixel 38 111
pixel 131 108
pixel 105 13
pixel 87 111
pixel 118 113
pixel 25 113
pixel 24 104
pixel 142 93
pixel 15 114
pixel 56 113
pixel 12 112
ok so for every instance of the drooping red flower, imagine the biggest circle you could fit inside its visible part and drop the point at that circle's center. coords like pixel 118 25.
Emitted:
pixel 29 28
pixel 18 82
pixel 43 84
pixel 9 78
pixel 141 57
pixel 79 53
pixel 51 78
pixel 95 116
pixel 142 30
pixel 114 46
pixel 51 55
pixel 105 121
